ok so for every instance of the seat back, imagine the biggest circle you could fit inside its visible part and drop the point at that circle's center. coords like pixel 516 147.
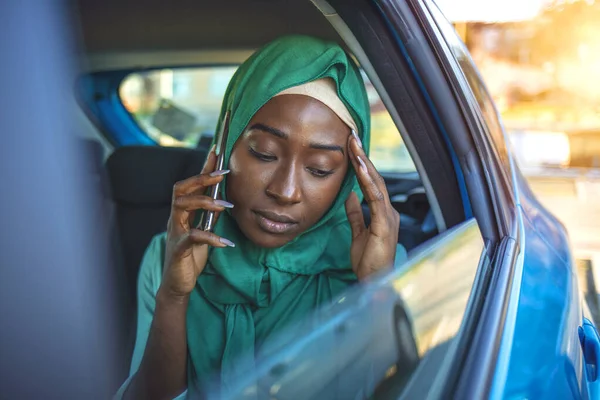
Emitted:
pixel 142 179
pixel 102 213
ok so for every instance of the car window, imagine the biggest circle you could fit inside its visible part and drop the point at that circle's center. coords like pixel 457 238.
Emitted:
pixel 480 92
pixel 176 107
pixel 398 336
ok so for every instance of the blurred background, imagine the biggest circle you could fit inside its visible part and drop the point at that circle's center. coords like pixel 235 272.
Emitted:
pixel 541 62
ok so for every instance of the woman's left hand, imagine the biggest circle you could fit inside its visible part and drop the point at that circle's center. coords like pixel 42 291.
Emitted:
pixel 373 247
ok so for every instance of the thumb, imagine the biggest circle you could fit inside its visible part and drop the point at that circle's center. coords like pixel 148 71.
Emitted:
pixel 355 215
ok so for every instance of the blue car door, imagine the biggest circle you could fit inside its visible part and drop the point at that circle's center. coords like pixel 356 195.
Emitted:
pixel 545 346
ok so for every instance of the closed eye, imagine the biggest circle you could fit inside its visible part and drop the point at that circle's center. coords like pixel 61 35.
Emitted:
pixel 262 156
pixel 319 173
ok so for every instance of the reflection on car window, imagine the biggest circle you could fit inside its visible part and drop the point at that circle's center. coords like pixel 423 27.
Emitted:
pixel 392 338
pixel 486 104
pixel 176 107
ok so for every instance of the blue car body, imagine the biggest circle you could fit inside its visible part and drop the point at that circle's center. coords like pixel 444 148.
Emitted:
pixel 540 352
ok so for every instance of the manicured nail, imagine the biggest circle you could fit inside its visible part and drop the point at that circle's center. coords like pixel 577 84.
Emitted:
pixel 219 172
pixel 363 166
pixel 212 149
pixel 357 138
pixel 223 203
pixel 227 242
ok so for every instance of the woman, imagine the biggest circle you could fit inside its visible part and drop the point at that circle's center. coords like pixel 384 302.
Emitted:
pixel 290 235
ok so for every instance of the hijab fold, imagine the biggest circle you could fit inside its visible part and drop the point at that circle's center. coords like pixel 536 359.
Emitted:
pixel 247 293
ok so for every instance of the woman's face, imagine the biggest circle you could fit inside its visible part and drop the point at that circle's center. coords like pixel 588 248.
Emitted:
pixel 287 169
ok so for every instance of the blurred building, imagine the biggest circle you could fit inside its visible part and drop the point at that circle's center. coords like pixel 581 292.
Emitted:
pixel 544 84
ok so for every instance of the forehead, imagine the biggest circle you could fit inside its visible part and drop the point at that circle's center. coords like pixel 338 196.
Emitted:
pixel 299 113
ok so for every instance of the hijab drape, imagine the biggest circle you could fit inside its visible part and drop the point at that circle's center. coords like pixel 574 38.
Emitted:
pixel 247 293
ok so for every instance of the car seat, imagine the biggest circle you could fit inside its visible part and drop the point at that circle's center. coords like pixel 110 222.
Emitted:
pixel 102 213
pixel 142 179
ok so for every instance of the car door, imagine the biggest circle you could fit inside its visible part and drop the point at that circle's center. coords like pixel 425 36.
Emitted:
pixel 536 244
pixel 418 330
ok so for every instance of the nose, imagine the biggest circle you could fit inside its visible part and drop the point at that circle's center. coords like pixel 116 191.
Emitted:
pixel 285 186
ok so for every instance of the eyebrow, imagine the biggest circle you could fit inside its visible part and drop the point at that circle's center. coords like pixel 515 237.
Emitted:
pixel 271 130
pixel 330 147
pixel 280 134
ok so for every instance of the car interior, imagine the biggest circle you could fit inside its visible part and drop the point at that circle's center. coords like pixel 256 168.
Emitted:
pixel 134 174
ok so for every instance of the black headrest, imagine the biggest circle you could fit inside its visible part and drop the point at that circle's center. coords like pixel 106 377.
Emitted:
pixel 144 175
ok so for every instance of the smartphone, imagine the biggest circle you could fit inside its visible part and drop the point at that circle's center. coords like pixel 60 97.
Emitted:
pixel 207 221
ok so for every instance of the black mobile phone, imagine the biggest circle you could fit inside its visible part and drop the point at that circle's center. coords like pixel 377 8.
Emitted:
pixel 207 221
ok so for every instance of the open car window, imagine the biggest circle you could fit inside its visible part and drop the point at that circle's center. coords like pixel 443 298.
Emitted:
pixel 398 336
pixel 180 107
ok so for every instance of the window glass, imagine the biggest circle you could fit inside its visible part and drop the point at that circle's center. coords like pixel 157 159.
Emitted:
pixel 474 79
pixel 388 151
pixel 176 107
pixel 395 337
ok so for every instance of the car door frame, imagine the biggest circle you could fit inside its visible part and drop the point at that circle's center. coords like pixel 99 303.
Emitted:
pixel 476 377
pixel 479 368
pixel 422 55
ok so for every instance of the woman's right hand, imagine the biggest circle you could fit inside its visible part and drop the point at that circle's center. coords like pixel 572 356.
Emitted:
pixel 186 250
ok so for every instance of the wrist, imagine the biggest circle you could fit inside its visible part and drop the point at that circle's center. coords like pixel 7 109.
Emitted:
pixel 168 297
pixel 366 274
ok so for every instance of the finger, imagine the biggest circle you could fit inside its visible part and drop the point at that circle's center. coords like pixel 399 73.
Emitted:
pixel 355 215
pixel 216 217
pixel 184 206
pixel 199 237
pixel 374 197
pixel 375 193
pixel 378 208
pixel 357 150
pixel 211 160
pixel 183 187
pixel 218 213
pixel 199 202
pixel 198 182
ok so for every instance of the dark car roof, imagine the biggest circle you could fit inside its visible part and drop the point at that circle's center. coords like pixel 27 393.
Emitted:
pixel 157 25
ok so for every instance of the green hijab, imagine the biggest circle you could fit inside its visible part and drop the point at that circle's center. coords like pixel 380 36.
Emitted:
pixel 247 293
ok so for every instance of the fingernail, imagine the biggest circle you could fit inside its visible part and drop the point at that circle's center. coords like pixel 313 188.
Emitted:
pixel 219 172
pixel 212 149
pixel 223 203
pixel 357 138
pixel 363 166
pixel 227 242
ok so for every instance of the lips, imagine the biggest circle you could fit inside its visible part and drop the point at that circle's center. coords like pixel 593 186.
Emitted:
pixel 275 223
